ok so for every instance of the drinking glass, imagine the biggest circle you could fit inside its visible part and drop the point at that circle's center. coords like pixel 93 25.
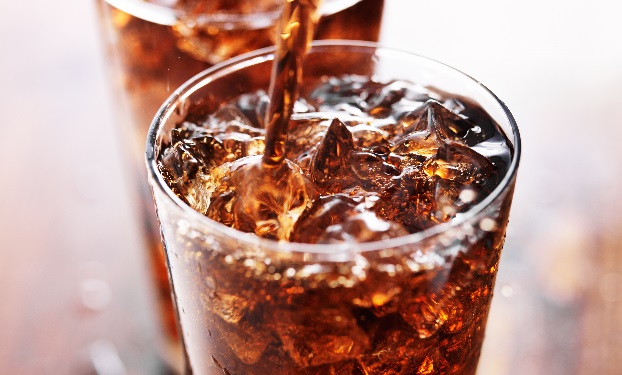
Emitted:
pixel 412 304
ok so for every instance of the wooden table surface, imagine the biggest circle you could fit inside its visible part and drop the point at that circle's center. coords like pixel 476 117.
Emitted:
pixel 73 287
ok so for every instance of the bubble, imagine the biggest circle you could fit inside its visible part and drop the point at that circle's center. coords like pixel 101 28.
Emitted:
pixel 507 291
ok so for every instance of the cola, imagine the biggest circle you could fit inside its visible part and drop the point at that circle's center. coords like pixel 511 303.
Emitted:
pixel 154 46
pixel 355 277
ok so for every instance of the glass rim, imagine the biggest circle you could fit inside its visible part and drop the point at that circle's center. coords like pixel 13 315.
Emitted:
pixel 267 54
pixel 167 16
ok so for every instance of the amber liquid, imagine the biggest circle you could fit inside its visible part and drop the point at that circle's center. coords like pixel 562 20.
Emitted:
pixel 150 60
pixel 298 22
pixel 269 321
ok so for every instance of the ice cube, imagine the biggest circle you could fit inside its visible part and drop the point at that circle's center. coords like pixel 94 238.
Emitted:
pixel 330 164
pixel 428 312
pixel 314 337
pixel 371 170
pixel 459 163
pixel 239 145
pixel 247 342
pixel 396 349
pixel 230 119
pixel 198 148
pixel 368 135
pixel 265 201
pixel 416 132
pixel 485 127
pixel 421 143
pixel 336 165
pixel 304 136
pixel 466 331
pixel 447 124
pixel 230 307
pixel 451 198
pixel 350 90
pixel 409 201
pixel 179 163
pixel 326 211
pixel 385 101
pixel 382 296
pixel 186 131
pixel 427 128
pixel 254 107
pixel 224 292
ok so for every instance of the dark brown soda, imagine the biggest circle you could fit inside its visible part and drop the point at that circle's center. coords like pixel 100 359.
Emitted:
pixel 261 318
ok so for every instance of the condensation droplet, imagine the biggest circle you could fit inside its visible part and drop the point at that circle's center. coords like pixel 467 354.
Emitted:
pixel 290 272
pixel 507 291
pixel 487 224
pixel 467 196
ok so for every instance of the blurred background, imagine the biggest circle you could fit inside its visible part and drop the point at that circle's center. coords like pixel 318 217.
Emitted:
pixel 74 294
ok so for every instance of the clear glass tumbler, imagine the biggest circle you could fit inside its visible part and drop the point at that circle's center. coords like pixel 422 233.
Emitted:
pixel 415 304
pixel 154 46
